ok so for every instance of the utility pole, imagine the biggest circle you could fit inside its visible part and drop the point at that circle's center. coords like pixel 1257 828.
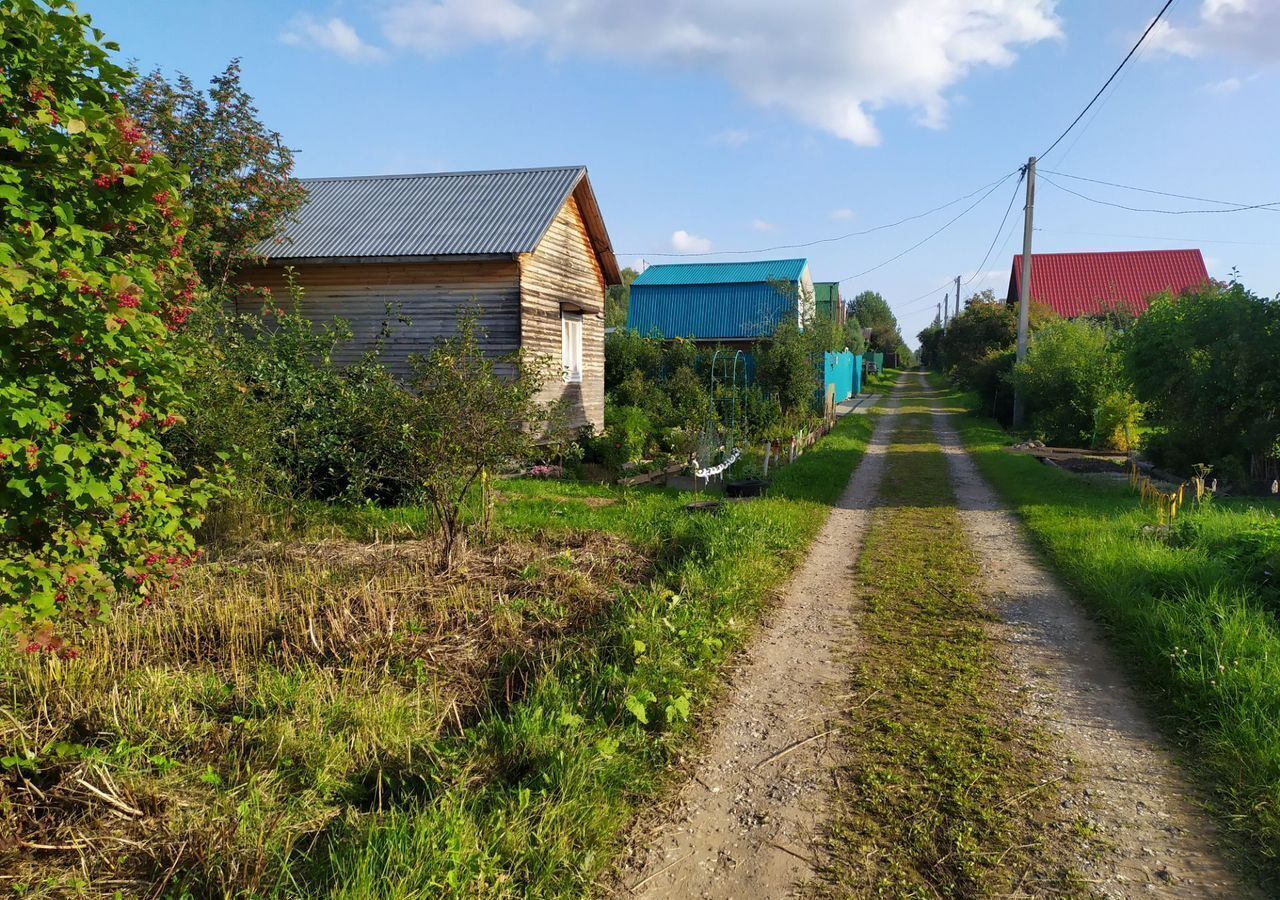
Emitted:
pixel 946 305
pixel 938 317
pixel 957 295
pixel 1024 288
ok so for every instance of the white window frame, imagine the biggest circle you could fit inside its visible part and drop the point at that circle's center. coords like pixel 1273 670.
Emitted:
pixel 571 346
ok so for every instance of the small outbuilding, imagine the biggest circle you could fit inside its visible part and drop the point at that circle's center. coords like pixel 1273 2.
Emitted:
pixel 527 246
pixel 735 304
pixel 1093 284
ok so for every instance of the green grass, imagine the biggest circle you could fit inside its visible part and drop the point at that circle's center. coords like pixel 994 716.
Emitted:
pixel 1191 611
pixel 340 722
pixel 945 793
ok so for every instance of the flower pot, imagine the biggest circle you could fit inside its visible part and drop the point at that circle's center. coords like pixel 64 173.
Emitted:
pixel 750 487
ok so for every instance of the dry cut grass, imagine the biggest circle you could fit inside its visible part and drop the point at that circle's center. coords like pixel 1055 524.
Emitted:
pixel 209 741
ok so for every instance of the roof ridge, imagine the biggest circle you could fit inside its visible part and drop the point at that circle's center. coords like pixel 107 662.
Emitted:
pixel 732 262
pixel 528 169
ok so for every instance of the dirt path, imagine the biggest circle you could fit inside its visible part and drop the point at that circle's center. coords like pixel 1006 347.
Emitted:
pixel 746 823
pixel 1155 840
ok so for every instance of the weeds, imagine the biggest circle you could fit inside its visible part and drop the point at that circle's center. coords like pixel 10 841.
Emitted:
pixel 337 720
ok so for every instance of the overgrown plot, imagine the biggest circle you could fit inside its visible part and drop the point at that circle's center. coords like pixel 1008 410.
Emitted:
pixel 945 792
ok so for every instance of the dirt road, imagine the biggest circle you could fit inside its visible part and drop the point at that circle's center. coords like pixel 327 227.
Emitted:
pixel 751 819
pixel 747 821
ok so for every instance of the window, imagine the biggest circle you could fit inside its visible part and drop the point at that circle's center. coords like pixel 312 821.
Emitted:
pixel 571 346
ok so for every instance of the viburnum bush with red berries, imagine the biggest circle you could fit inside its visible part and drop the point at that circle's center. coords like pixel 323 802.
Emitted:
pixel 94 286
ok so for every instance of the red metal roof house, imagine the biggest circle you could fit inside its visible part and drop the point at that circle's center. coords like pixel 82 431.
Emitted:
pixel 1090 284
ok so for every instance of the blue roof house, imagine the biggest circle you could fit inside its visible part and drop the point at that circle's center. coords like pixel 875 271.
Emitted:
pixel 731 303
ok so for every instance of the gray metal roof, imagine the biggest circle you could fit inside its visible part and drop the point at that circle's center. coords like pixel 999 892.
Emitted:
pixel 494 213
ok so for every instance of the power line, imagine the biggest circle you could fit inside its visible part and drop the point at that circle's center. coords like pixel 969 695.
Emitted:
pixel 1160 237
pixel 1168 212
pixel 827 240
pixel 1107 83
pixel 1130 187
pixel 1000 228
pixel 932 235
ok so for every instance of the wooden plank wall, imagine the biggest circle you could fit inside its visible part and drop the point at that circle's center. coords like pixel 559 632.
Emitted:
pixel 428 294
pixel 564 269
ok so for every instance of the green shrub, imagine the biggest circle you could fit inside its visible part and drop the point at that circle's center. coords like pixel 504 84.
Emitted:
pixel 1069 370
pixel 93 285
pixel 1205 363
pixel 785 369
pixel 1116 421
pixel 627 432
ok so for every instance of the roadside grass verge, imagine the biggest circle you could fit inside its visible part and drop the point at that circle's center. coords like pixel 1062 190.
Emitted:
pixel 945 792
pixel 1192 611
pixel 330 719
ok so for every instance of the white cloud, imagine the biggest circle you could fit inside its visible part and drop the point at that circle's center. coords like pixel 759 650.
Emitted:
pixel 684 242
pixel 762 225
pixel 828 63
pixel 438 26
pixel 732 137
pixel 842 213
pixel 1245 28
pixel 1225 86
pixel 334 35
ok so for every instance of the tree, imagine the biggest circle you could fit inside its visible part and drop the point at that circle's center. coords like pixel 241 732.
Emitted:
pixel 94 283
pixel 1206 363
pixel 617 300
pixel 785 368
pixel 931 344
pixel 241 184
pixel 463 419
pixel 873 312
pixel 853 338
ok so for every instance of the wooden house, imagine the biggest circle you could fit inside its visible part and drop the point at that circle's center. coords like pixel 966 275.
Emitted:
pixel 528 247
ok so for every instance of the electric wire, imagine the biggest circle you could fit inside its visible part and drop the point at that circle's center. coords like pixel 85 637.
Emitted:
pixel 813 243
pixel 999 228
pixel 1107 83
pixel 1130 187
pixel 1168 212
pixel 933 234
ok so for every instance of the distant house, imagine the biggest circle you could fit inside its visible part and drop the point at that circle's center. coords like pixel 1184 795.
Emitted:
pixel 730 303
pixel 527 246
pixel 1090 284
pixel 827 302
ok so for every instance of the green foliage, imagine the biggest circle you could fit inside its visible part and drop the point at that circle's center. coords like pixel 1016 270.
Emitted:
pixel 296 425
pixel 1206 363
pixel 240 185
pixel 853 339
pixel 785 368
pixel 873 312
pixel 93 285
pixel 1116 421
pixel 1069 370
pixel 970 336
pixel 464 415
pixel 627 431
pixel 617 300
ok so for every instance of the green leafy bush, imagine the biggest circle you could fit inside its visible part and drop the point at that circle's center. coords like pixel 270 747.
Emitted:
pixel 1069 371
pixel 1206 364
pixel 786 370
pixel 93 285
pixel 627 430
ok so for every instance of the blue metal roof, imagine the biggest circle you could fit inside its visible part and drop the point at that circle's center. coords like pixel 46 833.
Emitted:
pixel 763 271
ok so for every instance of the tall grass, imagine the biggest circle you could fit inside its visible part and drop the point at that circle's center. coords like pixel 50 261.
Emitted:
pixel 1192 611
pixel 335 720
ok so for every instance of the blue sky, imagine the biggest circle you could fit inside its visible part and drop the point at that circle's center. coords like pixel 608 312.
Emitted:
pixel 718 125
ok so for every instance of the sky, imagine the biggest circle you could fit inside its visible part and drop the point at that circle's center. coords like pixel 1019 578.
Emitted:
pixel 710 126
